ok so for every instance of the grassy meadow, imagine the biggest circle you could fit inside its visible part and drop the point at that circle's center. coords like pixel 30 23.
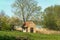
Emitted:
pixel 16 35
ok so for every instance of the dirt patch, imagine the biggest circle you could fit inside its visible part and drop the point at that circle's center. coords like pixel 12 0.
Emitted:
pixel 47 31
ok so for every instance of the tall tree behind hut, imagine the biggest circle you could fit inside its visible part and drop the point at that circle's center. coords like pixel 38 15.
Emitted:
pixel 26 9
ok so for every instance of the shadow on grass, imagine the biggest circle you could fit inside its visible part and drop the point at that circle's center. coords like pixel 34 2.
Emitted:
pixel 13 38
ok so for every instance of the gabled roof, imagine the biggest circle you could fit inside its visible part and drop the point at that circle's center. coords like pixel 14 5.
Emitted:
pixel 29 24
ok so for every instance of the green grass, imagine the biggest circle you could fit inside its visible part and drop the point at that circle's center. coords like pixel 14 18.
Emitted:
pixel 11 35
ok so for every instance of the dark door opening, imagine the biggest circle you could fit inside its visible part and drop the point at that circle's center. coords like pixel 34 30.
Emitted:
pixel 31 30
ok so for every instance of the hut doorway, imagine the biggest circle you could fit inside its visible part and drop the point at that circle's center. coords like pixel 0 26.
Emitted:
pixel 31 30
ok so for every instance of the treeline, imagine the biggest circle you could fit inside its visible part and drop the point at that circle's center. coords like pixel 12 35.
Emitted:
pixel 8 23
pixel 50 19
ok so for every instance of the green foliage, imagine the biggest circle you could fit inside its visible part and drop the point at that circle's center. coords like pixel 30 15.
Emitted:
pixel 51 17
pixel 4 25
pixel 6 22
pixel 15 21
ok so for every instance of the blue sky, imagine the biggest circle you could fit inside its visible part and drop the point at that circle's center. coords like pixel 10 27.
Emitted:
pixel 6 5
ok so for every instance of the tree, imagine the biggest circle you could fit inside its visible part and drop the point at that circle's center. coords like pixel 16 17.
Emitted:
pixel 57 15
pixel 4 25
pixel 15 21
pixel 51 17
pixel 26 9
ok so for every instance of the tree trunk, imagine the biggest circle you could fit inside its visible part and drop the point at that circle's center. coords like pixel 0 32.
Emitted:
pixel 23 15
